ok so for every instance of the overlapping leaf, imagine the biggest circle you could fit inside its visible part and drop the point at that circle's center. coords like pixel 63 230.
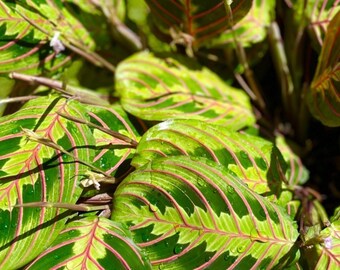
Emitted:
pixel 296 173
pixel 326 255
pixel 112 152
pixel 193 214
pixel 193 22
pixel 254 160
pixel 161 88
pixel 26 28
pixel 92 243
pixel 321 12
pixel 324 95
pixel 32 172
pixel 250 30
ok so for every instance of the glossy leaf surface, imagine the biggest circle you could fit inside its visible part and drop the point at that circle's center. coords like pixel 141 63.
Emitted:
pixel 193 214
pixel 111 152
pixel 26 29
pixel 92 243
pixel 254 160
pixel 324 95
pixel 195 21
pixel 161 88
pixel 249 30
pixel 33 172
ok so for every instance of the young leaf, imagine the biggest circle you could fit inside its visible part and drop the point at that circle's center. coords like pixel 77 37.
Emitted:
pixel 32 34
pixel 92 243
pixel 193 21
pixel 324 97
pixel 249 30
pixel 155 88
pixel 254 160
pixel 32 171
pixel 326 255
pixel 193 214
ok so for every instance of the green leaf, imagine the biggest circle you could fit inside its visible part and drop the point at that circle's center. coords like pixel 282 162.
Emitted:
pixel 320 14
pixel 26 29
pixel 155 88
pixel 254 160
pixel 323 97
pixel 193 214
pixel 33 172
pixel 326 254
pixel 92 243
pixel 249 30
pixel 111 152
pixel 296 173
pixel 193 22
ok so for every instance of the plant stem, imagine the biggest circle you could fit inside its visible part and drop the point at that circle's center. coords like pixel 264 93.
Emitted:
pixel 281 66
pixel 105 130
pixel 74 207
pixel 82 94
pixel 16 99
pixel 242 57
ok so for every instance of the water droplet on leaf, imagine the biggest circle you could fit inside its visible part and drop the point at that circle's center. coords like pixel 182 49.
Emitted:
pixel 230 189
pixel 241 248
pixel 178 249
pixel 145 237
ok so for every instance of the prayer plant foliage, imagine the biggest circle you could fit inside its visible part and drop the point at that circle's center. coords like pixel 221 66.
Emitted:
pixel 167 169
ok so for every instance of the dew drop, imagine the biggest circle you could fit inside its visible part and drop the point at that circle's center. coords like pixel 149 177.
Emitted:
pixel 14 225
pixel 200 182
pixel 226 257
pixel 194 158
pixel 208 258
pixel 230 189
pixel 56 257
pixel 166 243
pixel 178 249
pixel 241 248
pixel 153 208
pixel 3 226
pixel 145 237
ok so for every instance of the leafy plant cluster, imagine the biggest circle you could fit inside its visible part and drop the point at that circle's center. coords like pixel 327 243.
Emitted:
pixel 166 134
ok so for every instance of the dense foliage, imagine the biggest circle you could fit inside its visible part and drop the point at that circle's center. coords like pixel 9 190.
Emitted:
pixel 169 134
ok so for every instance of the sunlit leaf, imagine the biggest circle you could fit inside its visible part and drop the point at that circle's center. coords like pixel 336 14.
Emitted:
pixel 254 160
pixel 26 29
pixel 324 96
pixel 161 88
pixel 92 243
pixel 112 152
pixel 193 214
pixel 296 173
pixel 33 172
pixel 249 30
pixel 192 22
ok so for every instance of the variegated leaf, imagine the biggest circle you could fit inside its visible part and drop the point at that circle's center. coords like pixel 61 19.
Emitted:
pixel 155 88
pixel 324 95
pixel 28 27
pixel 112 151
pixel 254 160
pixel 192 22
pixel 326 255
pixel 33 172
pixel 249 30
pixel 92 243
pixel 296 173
pixel 193 214
pixel 321 12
